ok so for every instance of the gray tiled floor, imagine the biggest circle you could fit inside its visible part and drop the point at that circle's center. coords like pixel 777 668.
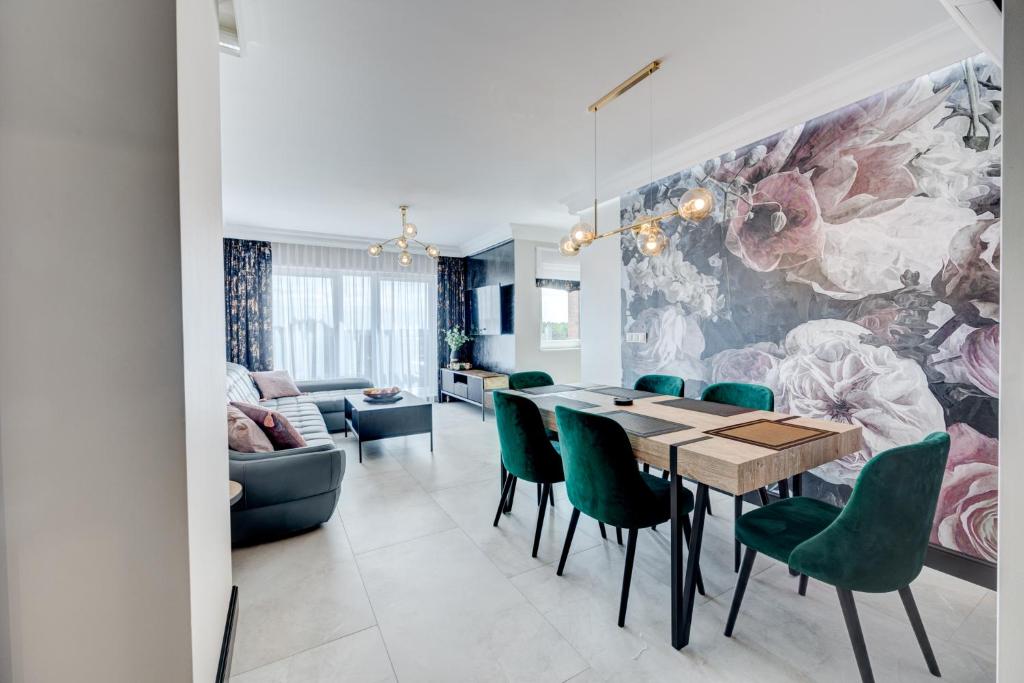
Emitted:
pixel 409 581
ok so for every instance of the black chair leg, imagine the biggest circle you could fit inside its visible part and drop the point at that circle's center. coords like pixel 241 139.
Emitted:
pixel 922 638
pixel 707 505
pixel 600 525
pixel 627 575
pixel 504 495
pixel 762 493
pixel 737 511
pixel 511 494
pixel 545 491
pixel 647 468
pixel 803 584
pixel 686 537
pixel 664 475
pixel 860 649
pixel 540 493
pixel 618 535
pixel 741 587
pixel 783 488
pixel 568 540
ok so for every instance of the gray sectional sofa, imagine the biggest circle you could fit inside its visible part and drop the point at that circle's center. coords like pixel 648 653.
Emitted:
pixel 288 491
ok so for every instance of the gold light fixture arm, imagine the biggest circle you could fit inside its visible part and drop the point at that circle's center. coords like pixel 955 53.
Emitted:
pixel 626 85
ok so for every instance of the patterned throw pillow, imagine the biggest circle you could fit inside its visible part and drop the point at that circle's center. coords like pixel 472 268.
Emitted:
pixel 280 432
pixel 244 435
pixel 275 384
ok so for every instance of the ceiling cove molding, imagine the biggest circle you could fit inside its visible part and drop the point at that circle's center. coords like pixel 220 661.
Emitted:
pixel 919 54
pixel 317 239
pixel 486 240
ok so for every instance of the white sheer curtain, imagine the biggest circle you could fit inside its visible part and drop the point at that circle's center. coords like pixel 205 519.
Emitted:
pixel 342 313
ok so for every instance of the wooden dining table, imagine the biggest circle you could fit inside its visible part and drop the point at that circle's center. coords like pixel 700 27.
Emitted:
pixel 732 449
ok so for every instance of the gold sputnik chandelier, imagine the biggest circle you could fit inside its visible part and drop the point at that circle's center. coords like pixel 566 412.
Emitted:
pixel 403 240
pixel 695 205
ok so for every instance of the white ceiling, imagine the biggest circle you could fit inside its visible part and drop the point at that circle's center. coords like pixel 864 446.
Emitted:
pixel 474 111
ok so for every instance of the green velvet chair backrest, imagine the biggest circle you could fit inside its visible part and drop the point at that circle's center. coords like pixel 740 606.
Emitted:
pixel 670 385
pixel 525 449
pixel 878 542
pixel 753 396
pixel 601 476
pixel 529 379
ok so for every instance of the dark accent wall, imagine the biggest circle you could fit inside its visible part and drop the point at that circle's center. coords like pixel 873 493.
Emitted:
pixel 495 266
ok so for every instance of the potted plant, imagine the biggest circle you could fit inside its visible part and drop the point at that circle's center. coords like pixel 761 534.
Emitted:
pixel 456 338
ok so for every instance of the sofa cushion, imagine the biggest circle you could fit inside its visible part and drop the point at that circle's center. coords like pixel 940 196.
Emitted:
pixel 275 425
pixel 305 417
pixel 275 384
pixel 240 385
pixel 329 401
pixel 244 435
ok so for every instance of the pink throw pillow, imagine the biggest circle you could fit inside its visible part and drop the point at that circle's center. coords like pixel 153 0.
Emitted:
pixel 244 435
pixel 280 432
pixel 275 384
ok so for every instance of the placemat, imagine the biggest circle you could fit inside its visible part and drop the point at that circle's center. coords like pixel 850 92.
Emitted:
pixel 709 407
pixel 769 434
pixel 550 389
pixel 644 425
pixel 549 403
pixel 620 392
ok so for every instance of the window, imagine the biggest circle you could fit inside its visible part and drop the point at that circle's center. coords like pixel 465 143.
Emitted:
pixel 559 318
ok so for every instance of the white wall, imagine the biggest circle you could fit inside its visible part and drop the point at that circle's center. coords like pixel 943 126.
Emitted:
pixel 562 364
pixel 1011 381
pixel 601 302
pixel 94 434
pixel 202 281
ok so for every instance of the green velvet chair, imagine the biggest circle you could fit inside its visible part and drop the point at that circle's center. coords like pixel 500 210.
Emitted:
pixel 755 397
pixel 526 453
pixel 876 544
pixel 603 482
pixel 669 385
pixel 529 379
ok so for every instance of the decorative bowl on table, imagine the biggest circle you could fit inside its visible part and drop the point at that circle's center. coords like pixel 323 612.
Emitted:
pixel 382 394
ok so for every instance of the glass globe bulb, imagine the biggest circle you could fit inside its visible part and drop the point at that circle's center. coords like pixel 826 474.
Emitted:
pixel 651 240
pixel 409 230
pixel 402 243
pixel 375 249
pixel 696 204
pixel 582 234
pixel 567 248
pixel 433 252
pixel 404 259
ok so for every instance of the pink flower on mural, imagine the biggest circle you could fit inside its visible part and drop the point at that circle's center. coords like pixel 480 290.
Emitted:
pixel 966 517
pixel 756 364
pixel 981 359
pixel 780 227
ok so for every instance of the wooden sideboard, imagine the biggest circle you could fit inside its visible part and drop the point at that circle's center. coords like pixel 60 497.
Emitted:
pixel 472 386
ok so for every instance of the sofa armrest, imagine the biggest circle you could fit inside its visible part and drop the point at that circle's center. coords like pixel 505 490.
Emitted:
pixel 239 456
pixel 270 481
pixel 339 384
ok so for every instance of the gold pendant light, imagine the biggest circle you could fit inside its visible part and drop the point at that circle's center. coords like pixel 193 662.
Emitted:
pixel 407 235
pixel 694 206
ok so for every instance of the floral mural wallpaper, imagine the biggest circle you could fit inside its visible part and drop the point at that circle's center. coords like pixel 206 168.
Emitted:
pixel 852 265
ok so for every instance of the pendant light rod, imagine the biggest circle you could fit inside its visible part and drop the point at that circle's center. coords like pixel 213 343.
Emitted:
pixel 639 76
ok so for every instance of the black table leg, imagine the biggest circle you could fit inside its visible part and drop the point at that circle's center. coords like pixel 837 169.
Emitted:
pixel 676 544
pixel 360 448
pixel 693 557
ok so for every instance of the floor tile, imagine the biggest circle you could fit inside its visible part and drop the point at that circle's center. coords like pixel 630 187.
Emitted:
pixel 447 613
pixel 359 657
pixel 296 594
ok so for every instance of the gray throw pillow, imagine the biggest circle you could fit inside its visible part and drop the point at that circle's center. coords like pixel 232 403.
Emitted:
pixel 275 384
pixel 244 435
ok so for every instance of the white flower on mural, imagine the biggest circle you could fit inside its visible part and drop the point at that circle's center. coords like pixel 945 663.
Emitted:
pixel 754 364
pixel 674 344
pixel 677 279
pixel 829 373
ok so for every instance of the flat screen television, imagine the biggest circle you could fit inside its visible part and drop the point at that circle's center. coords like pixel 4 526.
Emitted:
pixel 490 310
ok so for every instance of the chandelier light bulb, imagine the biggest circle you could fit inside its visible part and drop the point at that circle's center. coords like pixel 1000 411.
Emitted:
pixel 405 258
pixel 582 234
pixel 375 249
pixel 651 240
pixel 567 248
pixel 402 243
pixel 696 204
pixel 409 230
pixel 433 252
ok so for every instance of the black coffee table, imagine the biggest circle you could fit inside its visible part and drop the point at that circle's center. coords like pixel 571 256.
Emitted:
pixel 373 421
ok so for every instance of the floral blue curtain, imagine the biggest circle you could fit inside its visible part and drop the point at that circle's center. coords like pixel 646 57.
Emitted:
pixel 247 297
pixel 451 303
